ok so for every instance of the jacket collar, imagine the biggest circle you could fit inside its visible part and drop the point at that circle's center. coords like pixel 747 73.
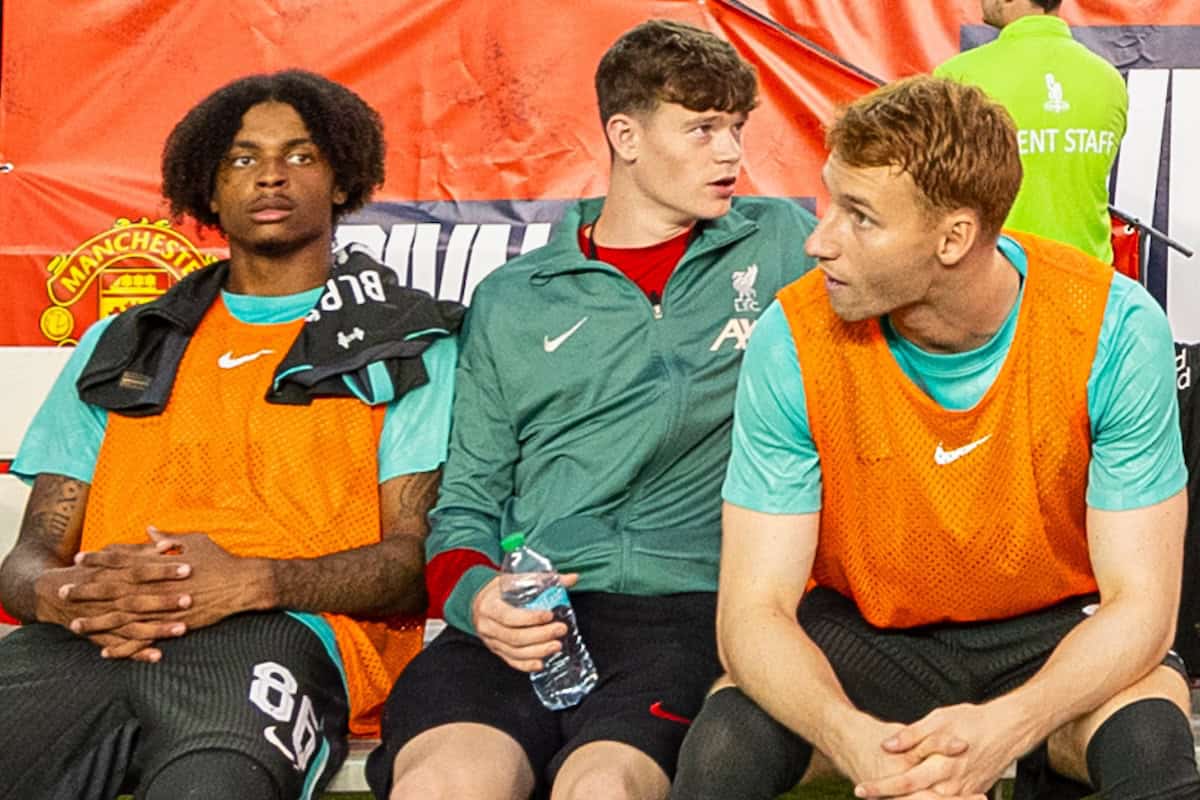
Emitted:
pixel 561 255
pixel 1036 25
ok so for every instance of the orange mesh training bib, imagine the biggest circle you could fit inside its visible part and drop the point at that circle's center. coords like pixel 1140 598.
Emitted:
pixel 263 480
pixel 931 515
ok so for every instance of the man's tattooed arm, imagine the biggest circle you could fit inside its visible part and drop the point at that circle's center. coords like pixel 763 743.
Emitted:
pixel 378 580
pixel 48 540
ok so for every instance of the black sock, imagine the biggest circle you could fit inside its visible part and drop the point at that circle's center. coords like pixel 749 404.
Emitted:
pixel 735 749
pixel 211 775
pixel 1144 751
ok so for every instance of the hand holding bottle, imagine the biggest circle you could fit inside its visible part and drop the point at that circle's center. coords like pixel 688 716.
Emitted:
pixel 522 637
pixel 529 582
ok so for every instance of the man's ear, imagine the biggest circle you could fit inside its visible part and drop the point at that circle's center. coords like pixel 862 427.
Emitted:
pixel 339 195
pixel 959 234
pixel 624 136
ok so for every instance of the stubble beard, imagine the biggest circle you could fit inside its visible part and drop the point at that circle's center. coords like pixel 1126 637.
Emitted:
pixel 279 247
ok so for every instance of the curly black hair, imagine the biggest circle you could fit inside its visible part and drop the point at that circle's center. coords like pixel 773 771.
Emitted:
pixel 347 130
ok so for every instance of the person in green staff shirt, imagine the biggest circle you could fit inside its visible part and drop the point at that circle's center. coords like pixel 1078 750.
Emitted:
pixel 1070 107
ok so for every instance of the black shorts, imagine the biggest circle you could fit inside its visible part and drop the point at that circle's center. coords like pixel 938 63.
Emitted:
pixel 902 675
pixel 76 725
pixel 656 658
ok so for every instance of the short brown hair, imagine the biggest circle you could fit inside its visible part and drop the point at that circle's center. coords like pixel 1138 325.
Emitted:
pixel 959 146
pixel 664 61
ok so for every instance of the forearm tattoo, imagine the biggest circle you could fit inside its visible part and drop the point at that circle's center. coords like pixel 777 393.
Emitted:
pixel 380 579
pixel 414 496
pixel 49 537
pixel 52 512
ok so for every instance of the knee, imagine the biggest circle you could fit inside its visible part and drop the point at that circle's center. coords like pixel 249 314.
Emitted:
pixel 597 781
pixel 212 775
pixel 423 782
pixel 735 749
pixel 729 724
pixel 441 782
pixel 455 761
pixel 1144 751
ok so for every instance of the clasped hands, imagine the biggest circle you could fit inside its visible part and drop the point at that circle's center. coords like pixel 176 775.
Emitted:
pixel 125 597
pixel 954 752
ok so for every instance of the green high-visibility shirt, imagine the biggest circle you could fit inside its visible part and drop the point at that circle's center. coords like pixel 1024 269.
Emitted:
pixel 1070 107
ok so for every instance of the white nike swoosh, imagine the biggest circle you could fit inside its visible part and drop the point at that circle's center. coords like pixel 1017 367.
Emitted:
pixel 944 457
pixel 229 360
pixel 553 344
pixel 273 738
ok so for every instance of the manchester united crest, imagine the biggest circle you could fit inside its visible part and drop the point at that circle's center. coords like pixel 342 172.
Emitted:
pixel 129 264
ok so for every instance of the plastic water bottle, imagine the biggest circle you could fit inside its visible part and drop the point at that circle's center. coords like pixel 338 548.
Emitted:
pixel 529 580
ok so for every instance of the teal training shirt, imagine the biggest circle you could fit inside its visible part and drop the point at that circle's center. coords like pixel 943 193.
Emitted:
pixel 65 435
pixel 1136 446
pixel 1070 106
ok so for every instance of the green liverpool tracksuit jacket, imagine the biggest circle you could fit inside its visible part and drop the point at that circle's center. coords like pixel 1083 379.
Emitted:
pixel 599 423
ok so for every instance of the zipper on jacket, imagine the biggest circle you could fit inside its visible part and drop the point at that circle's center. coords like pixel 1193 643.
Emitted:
pixel 656 303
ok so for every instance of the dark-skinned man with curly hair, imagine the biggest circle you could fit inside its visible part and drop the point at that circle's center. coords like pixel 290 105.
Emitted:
pixel 230 484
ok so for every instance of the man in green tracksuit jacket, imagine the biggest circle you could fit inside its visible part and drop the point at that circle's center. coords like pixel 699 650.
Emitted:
pixel 593 411
pixel 1070 107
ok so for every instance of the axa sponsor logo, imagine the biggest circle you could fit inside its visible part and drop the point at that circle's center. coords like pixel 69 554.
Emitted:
pixel 737 330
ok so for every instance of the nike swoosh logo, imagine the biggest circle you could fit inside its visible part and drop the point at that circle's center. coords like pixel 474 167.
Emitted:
pixel 553 344
pixel 944 457
pixel 229 360
pixel 272 737
pixel 657 710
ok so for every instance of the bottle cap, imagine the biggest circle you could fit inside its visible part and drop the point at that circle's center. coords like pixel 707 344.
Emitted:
pixel 512 541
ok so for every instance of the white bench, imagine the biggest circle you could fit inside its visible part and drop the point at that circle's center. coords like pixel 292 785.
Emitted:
pixel 351 778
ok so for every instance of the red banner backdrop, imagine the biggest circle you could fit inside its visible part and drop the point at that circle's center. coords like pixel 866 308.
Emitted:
pixel 482 101
pixel 488 106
